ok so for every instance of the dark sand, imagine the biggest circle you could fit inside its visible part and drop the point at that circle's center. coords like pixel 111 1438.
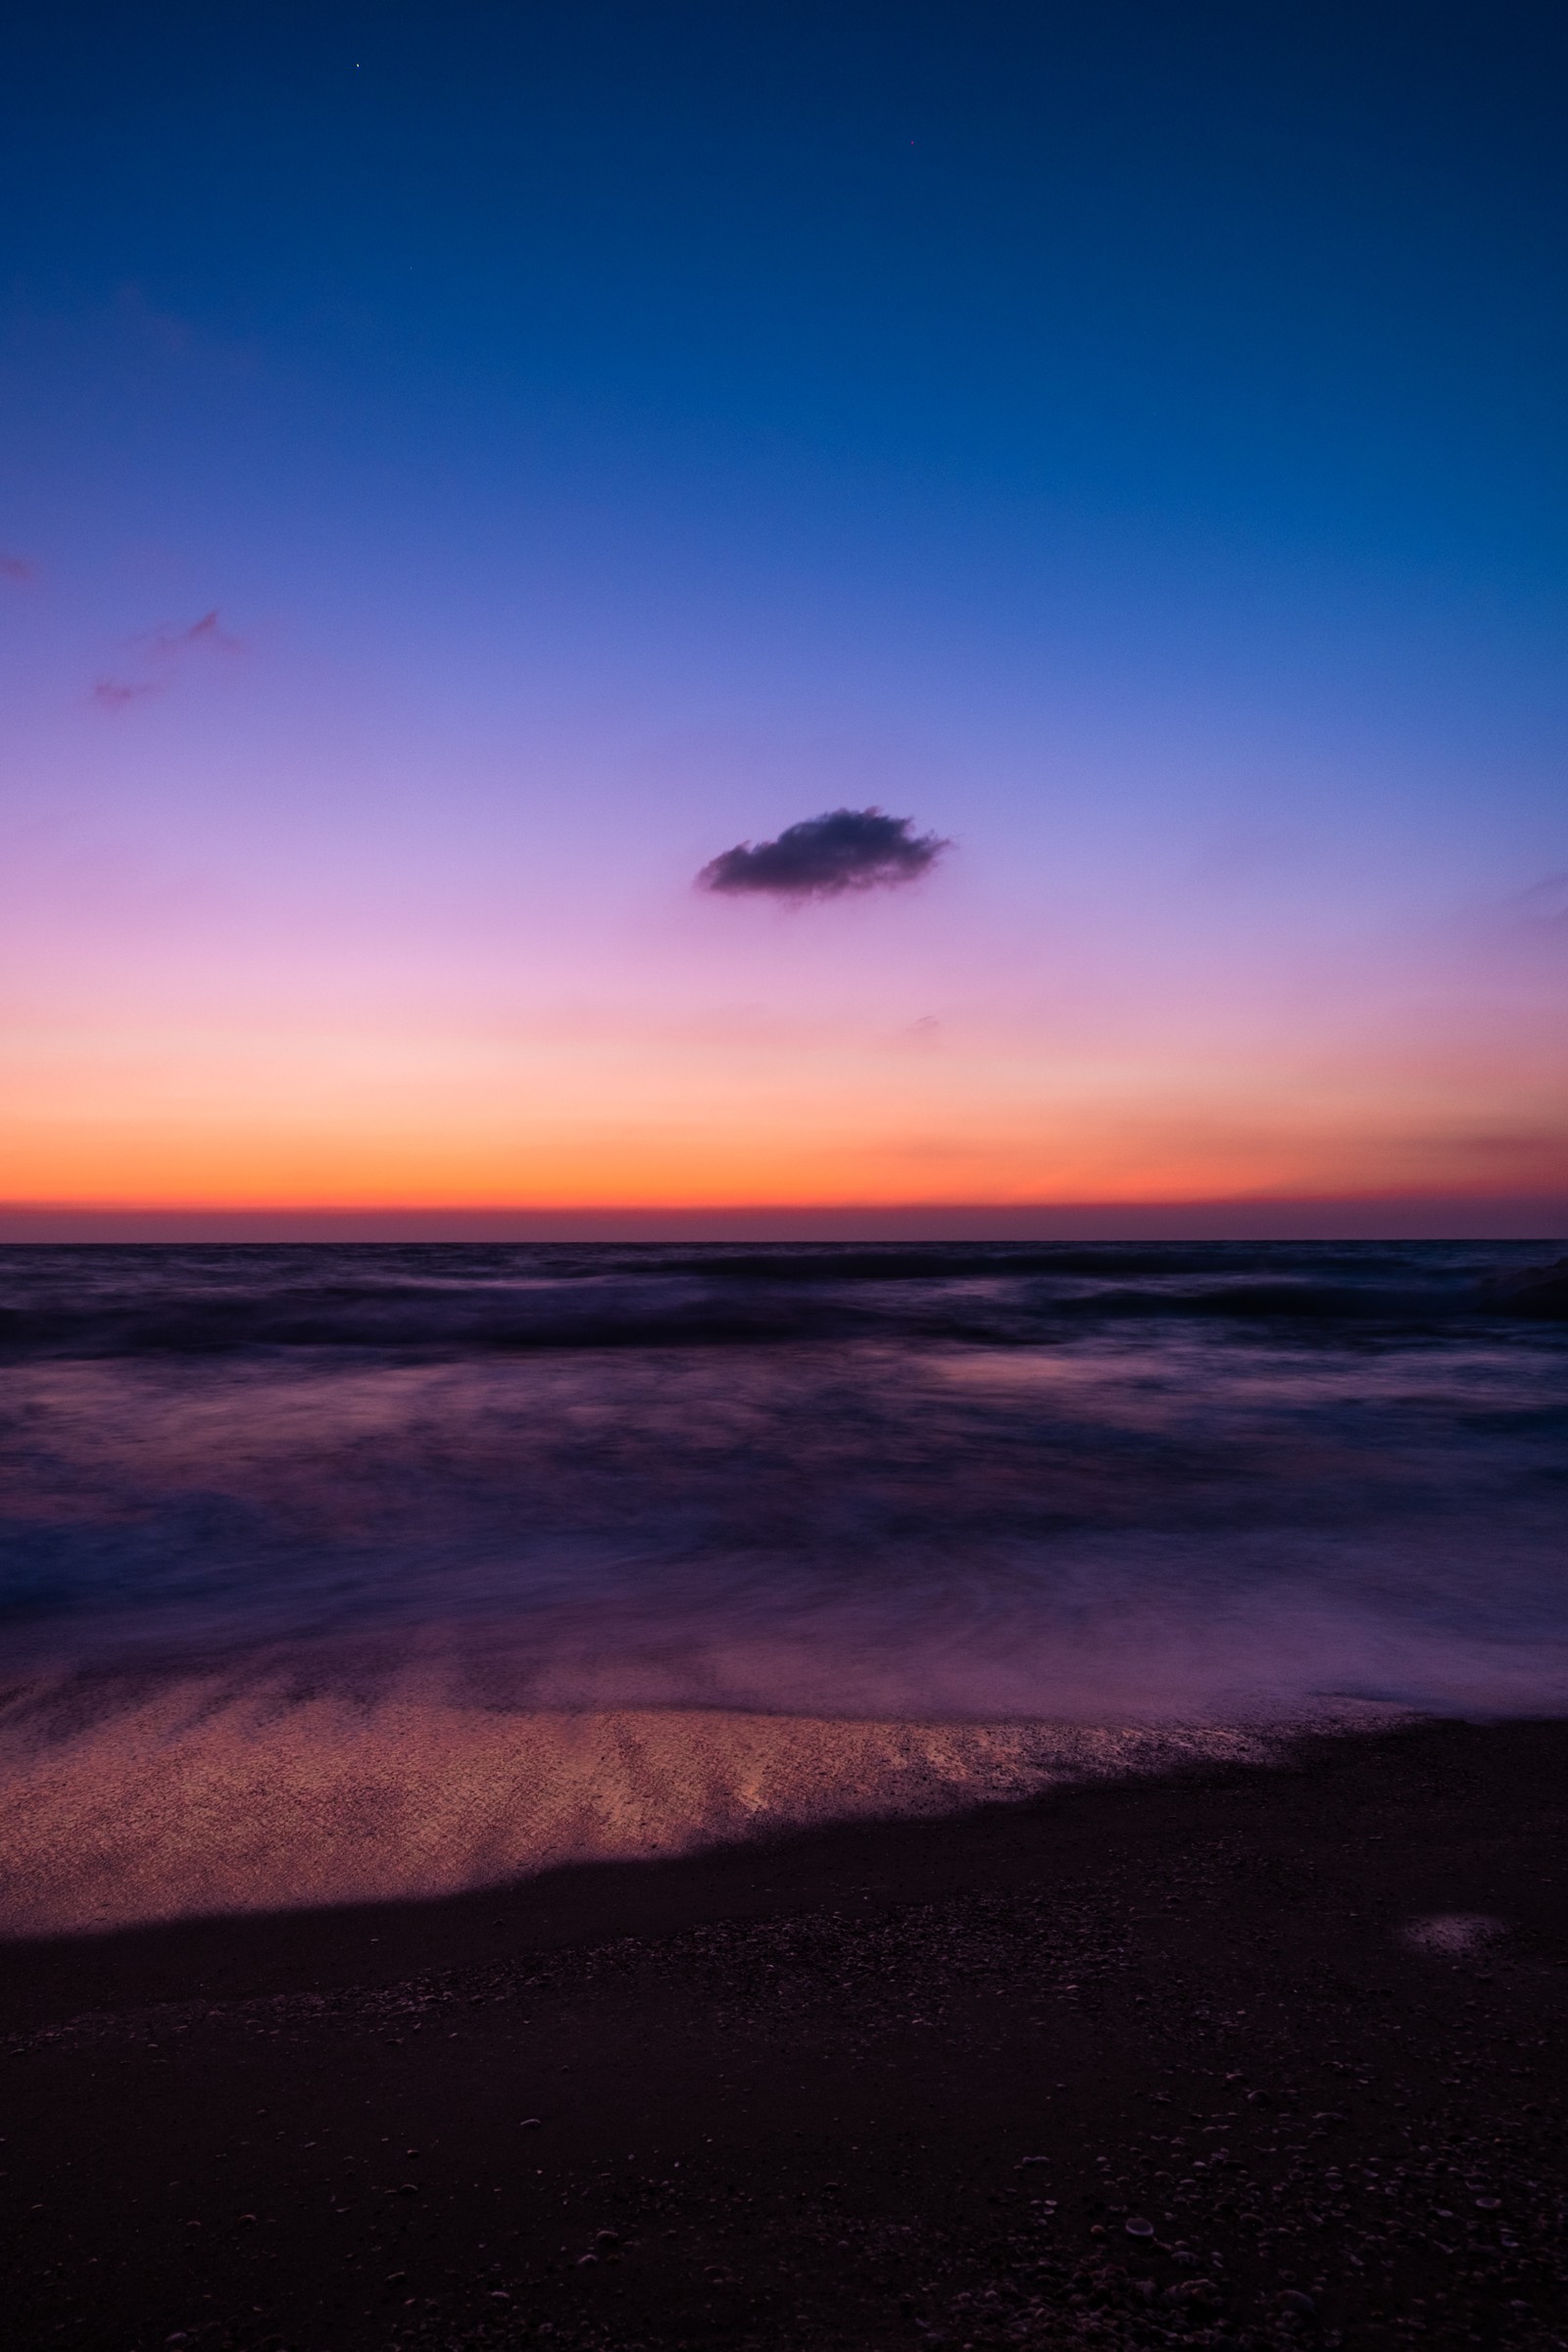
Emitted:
pixel 892 2084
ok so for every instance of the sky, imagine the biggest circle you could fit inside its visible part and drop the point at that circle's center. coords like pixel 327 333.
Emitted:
pixel 465 471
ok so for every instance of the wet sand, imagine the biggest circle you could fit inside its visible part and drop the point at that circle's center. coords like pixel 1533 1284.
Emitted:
pixel 887 2083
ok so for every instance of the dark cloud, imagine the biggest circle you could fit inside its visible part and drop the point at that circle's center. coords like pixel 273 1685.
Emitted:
pixel 16 567
pixel 845 849
pixel 161 651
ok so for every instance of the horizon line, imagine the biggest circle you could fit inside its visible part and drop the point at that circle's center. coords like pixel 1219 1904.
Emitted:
pixel 1385 1217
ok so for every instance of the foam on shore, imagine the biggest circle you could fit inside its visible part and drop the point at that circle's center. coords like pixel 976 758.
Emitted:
pixel 197 1797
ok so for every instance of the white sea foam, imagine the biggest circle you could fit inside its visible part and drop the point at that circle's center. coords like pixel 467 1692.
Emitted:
pixel 202 1796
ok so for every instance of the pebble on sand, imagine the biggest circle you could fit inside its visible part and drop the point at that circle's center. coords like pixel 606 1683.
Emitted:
pixel 1455 1935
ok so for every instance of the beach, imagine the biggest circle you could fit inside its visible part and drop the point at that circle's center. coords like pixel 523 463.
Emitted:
pixel 1246 2054
pixel 783 1179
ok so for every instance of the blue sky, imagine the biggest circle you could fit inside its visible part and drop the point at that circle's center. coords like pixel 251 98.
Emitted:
pixel 1126 439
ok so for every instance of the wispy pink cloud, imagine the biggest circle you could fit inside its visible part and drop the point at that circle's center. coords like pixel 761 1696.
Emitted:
pixel 16 567
pixel 162 652
pixel 170 644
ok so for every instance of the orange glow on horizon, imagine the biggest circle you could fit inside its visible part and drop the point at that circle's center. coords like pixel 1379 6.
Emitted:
pixel 453 1124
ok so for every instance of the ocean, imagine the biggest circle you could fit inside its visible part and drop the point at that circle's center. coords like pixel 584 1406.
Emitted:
pixel 340 1573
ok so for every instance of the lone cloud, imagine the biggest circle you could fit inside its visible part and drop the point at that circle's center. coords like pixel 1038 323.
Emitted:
pixel 847 849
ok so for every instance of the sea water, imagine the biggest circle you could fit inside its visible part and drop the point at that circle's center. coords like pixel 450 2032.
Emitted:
pixel 345 1572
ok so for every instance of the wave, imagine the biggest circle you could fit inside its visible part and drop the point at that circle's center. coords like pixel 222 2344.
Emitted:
pixel 173 1302
pixel 334 1574
pixel 203 1796
pixel 1539 1292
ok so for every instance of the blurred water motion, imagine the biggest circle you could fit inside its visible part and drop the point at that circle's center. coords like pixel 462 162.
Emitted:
pixel 1142 1491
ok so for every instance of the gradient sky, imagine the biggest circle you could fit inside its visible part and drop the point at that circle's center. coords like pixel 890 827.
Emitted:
pixel 464 468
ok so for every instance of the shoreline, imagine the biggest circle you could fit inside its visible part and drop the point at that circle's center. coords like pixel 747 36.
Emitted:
pixel 216 1794
pixel 850 2086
